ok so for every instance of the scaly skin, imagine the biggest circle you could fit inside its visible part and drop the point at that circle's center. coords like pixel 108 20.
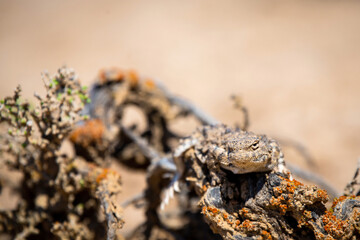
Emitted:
pixel 218 147
pixel 232 149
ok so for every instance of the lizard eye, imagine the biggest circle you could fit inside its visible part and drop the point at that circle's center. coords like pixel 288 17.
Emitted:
pixel 255 145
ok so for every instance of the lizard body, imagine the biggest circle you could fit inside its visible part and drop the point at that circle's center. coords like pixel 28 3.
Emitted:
pixel 213 149
pixel 231 149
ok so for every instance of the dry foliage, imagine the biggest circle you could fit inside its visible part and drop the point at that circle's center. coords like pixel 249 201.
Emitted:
pixel 62 195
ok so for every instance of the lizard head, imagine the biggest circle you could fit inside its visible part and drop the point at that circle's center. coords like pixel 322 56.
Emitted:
pixel 244 152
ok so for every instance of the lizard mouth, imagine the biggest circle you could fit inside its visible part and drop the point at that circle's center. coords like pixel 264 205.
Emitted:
pixel 265 158
pixel 262 158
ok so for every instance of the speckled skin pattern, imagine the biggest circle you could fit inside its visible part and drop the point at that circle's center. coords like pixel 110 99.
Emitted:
pixel 218 148
pixel 232 149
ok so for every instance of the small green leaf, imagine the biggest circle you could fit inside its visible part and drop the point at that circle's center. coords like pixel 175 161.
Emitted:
pixel 82 182
pixel 59 96
pixel 82 96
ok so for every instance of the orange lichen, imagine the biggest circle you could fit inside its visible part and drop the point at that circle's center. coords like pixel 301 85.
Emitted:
pixel 286 198
pixel 283 208
pixel 291 185
pixel 102 76
pixel 203 211
pixel 334 226
pixel 214 210
pixel 277 190
pixel 132 77
pixel 247 224
pixel 149 83
pixel 210 210
pixel 104 174
pixel 340 199
pixel 110 75
pixel 307 214
pixel 117 75
pixel 90 133
pixel 244 212
pixel 321 194
pixel 266 234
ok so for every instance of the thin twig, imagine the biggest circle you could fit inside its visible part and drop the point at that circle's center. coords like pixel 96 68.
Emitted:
pixel 133 200
pixel 238 105
pixel 157 160
pixel 106 191
pixel 186 105
pixel 207 119
pixel 349 189
pixel 111 220
pixel 144 146
pixel 301 149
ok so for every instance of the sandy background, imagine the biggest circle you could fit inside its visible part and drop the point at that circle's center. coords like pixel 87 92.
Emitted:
pixel 296 64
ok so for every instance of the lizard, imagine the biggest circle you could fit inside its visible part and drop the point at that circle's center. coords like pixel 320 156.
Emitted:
pixel 219 147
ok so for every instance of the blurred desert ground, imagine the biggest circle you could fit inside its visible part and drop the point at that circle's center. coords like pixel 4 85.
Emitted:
pixel 296 64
